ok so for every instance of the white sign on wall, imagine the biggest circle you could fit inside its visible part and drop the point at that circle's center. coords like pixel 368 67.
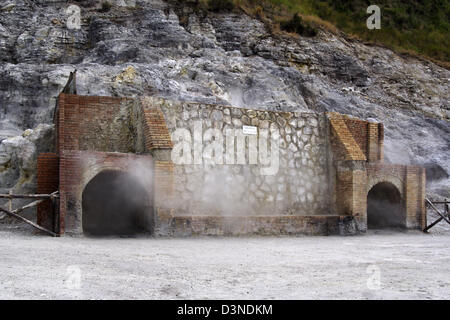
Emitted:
pixel 250 130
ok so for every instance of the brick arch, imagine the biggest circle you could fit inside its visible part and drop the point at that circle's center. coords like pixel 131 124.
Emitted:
pixel 115 202
pixel 79 168
pixel 94 166
pixel 92 171
pixel 394 180
pixel 385 205
pixel 118 162
pixel 88 173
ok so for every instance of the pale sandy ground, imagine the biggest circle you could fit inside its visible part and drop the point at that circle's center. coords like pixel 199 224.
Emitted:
pixel 409 265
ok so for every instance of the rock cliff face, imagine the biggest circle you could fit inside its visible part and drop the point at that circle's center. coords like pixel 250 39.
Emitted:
pixel 160 48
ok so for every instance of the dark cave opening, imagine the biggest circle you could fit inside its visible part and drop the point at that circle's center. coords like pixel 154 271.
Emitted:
pixel 384 208
pixel 115 203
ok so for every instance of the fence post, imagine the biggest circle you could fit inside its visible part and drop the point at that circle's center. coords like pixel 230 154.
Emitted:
pixel 10 201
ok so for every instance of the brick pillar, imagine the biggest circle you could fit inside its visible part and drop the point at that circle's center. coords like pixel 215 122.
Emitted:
pixel 421 198
pixel 351 191
pixel 158 143
pixel 70 172
pixel 163 184
pixel 373 142
pixel 414 197
pixel 380 142
pixel 47 182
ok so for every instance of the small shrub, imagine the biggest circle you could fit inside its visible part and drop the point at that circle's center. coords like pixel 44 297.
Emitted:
pixel 220 5
pixel 106 6
pixel 297 25
pixel 259 12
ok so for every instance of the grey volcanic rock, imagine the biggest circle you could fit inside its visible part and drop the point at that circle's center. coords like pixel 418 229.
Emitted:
pixel 18 159
pixel 159 48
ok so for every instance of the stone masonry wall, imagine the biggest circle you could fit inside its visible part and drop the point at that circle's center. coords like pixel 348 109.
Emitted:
pixel 243 184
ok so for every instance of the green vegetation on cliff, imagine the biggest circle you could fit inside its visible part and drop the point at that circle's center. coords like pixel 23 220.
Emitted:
pixel 421 26
pixel 417 26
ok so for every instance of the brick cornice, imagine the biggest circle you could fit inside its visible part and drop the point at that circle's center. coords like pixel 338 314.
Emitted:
pixel 156 134
pixel 351 149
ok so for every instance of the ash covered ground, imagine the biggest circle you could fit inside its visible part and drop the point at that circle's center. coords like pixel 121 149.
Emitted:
pixel 379 265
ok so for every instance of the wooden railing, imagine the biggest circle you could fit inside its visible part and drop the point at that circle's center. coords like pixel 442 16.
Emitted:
pixel 39 199
pixel 443 216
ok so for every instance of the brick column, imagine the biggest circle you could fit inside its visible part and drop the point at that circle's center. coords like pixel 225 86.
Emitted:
pixel 422 211
pixel 158 143
pixel 350 165
pixel 351 182
pixel 380 142
pixel 373 142
pixel 47 182
pixel 70 203
pixel 415 197
pixel 163 184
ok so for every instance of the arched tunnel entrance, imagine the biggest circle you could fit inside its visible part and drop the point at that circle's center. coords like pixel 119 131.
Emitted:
pixel 384 207
pixel 115 203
